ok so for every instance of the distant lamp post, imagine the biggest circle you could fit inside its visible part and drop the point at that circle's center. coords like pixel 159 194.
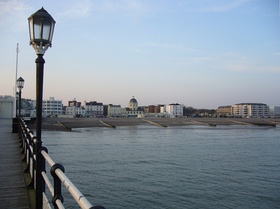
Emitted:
pixel 41 28
pixel 20 85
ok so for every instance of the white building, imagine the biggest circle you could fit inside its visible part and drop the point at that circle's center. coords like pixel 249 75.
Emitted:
pixel 114 110
pixel 80 112
pixel 133 110
pixel 75 111
pixel 52 107
pixel 250 110
pixel 93 109
pixel 274 111
pixel 71 110
pixel 6 106
pixel 174 110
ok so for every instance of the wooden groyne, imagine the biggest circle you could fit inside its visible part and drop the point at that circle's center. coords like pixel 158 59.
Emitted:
pixel 255 122
pixel 264 124
pixel 154 123
pixel 107 124
pixel 239 122
pixel 64 126
pixel 204 123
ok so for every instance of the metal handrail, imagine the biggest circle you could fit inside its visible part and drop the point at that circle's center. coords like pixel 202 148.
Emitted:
pixel 28 141
pixel 76 194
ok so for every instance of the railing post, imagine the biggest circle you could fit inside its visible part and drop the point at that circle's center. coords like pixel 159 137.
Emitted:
pixel 57 184
pixel 32 163
pixel 28 151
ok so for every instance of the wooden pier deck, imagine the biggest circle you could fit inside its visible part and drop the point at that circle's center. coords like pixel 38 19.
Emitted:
pixel 13 193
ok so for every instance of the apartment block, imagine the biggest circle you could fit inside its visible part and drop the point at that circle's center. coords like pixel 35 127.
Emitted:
pixel 75 111
pixel 274 111
pixel 74 103
pixel 114 110
pixel 153 109
pixel 93 109
pixel 250 110
pixel 173 110
pixel 52 107
pixel 224 110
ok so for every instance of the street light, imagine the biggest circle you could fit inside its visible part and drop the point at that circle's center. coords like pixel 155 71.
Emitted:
pixel 20 84
pixel 41 28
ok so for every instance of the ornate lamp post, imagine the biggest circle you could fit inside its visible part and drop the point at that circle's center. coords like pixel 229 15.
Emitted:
pixel 41 28
pixel 20 85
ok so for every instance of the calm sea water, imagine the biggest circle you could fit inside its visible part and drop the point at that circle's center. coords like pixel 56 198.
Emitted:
pixel 180 167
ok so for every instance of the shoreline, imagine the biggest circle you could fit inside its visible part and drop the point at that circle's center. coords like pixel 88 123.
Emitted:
pixel 67 124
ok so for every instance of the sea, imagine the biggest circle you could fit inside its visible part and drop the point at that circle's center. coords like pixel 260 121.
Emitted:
pixel 136 167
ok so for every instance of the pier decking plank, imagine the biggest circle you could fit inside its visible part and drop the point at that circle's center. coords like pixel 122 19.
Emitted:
pixel 13 192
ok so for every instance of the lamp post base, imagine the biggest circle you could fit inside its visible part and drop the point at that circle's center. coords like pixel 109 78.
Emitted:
pixel 15 125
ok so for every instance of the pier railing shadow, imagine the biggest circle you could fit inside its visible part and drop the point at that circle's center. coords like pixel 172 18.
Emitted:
pixel 27 141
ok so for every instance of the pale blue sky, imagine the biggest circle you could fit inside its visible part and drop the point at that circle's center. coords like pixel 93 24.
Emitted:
pixel 200 53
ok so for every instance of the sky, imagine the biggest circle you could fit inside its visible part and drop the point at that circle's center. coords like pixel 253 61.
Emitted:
pixel 200 53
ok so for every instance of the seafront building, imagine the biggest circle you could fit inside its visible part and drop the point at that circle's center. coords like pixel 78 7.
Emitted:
pixel 71 110
pixel 75 103
pixel 133 110
pixel 93 109
pixel 153 108
pixel 6 106
pixel 52 107
pixel 114 110
pixel 224 110
pixel 75 111
pixel 253 110
pixel 274 111
pixel 173 110
pixel 28 108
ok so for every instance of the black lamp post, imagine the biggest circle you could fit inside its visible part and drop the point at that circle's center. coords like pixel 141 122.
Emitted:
pixel 20 85
pixel 41 28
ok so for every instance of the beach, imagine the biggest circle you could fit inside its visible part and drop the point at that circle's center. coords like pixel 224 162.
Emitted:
pixel 67 124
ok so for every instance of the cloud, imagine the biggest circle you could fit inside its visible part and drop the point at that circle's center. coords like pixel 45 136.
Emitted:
pixel 13 12
pixel 223 7
pixel 250 62
pixel 85 8
pixel 10 6
pixel 77 9
pixel 123 5
pixel 168 46
pixel 140 51
pixel 253 68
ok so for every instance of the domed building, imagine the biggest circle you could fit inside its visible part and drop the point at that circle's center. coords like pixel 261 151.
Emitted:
pixel 133 104
pixel 133 110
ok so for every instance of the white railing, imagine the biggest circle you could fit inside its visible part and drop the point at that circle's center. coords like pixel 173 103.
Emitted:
pixel 27 142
